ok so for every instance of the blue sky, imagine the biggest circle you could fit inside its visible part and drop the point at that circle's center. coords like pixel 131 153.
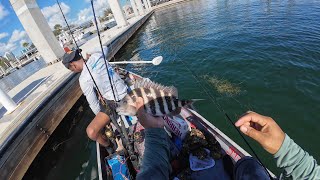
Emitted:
pixel 12 34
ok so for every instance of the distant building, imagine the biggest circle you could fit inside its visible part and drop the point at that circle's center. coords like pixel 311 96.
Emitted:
pixel 86 24
pixel 2 71
pixel 4 62
pixel 127 10
pixel 64 38
pixel 26 52
pixel 10 56
pixel 98 22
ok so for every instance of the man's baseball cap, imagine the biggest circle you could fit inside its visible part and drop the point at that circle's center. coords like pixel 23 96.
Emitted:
pixel 71 56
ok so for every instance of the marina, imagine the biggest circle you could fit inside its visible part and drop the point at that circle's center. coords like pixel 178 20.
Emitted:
pixel 179 31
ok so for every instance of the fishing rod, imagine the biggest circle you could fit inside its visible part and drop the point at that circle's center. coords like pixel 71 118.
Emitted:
pixel 75 42
pixel 103 55
pixel 212 98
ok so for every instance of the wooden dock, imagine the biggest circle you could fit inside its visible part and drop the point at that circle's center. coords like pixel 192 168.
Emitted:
pixel 24 132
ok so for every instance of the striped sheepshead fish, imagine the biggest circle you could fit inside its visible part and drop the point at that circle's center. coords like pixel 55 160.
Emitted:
pixel 158 100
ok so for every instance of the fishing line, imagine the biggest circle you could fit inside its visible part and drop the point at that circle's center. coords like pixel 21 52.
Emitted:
pixel 225 113
pixel 94 82
pixel 103 55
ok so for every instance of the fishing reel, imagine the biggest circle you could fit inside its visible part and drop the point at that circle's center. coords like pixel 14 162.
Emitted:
pixel 109 133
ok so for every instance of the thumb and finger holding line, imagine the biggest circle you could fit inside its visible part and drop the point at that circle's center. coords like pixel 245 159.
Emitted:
pixel 251 117
pixel 253 133
pixel 263 129
pixel 248 124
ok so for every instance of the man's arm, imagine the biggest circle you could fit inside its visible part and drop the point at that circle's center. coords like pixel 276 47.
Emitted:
pixel 155 163
pixel 296 162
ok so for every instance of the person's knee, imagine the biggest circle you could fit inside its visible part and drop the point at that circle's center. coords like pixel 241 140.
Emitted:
pixel 92 133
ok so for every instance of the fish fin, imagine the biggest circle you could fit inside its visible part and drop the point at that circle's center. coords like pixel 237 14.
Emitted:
pixel 172 90
pixel 147 83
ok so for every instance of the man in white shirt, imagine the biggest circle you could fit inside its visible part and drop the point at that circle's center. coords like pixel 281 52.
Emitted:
pixel 96 65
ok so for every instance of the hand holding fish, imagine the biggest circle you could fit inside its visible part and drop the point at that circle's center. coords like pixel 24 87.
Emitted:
pixel 146 120
pixel 158 100
pixel 263 129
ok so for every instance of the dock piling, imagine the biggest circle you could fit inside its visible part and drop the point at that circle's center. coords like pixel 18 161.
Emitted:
pixel 7 102
pixel 117 13
pixel 134 7
pixel 140 7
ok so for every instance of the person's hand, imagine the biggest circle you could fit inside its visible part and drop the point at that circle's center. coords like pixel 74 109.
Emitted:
pixel 263 129
pixel 146 120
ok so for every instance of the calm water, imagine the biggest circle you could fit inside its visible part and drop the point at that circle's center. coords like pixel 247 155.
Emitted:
pixel 16 77
pixel 68 154
pixel 267 52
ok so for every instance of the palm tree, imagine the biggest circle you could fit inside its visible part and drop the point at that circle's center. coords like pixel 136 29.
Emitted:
pixel 57 29
pixel 25 44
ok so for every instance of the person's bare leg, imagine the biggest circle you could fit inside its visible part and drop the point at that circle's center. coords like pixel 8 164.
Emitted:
pixel 94 129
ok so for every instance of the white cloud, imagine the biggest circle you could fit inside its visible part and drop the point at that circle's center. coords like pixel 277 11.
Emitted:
pixel 3 35
pixel 53 14
pixel 17 35
pixel 86 14
pixel 4 47
pixel 100 5
pixel 3 12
